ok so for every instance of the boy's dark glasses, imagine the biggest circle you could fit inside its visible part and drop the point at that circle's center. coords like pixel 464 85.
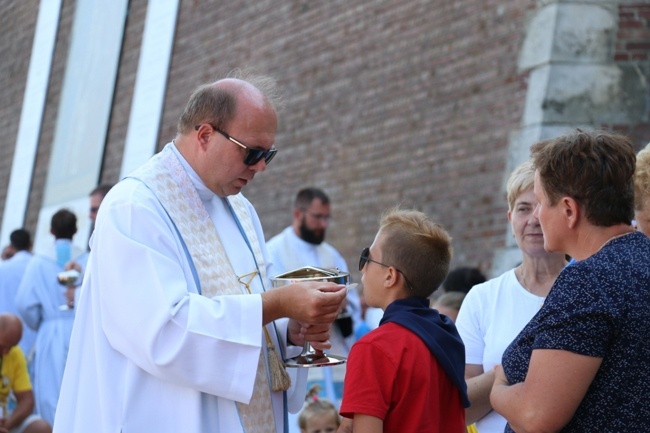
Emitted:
pixel 365 258
pixel 253 156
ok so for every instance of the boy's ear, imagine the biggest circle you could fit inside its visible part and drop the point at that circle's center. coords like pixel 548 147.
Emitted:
pixel 391 277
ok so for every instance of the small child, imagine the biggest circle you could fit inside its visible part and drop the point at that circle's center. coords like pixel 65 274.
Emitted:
pixel 407 375
pixel 318 416
pixel 449 304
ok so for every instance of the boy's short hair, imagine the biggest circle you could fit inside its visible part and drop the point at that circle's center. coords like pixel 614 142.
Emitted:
pixel 418 247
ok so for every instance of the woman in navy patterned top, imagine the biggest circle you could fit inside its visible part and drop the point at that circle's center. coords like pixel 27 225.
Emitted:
pixel 582 364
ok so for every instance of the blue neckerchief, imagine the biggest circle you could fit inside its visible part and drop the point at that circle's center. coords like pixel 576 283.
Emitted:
pixel 437 332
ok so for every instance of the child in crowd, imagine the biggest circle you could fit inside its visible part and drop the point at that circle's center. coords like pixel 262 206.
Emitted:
pixel 449 304
pixel 408 374
pixel 318 416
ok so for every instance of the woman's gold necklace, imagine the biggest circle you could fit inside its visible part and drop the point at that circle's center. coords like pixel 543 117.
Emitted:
pixel 522 281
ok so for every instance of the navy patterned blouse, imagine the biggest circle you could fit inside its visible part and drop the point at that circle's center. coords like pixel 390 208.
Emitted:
pixel 599 307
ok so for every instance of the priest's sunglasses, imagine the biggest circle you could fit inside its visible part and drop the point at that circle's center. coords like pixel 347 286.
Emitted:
pixel 253 155
pixel 365 258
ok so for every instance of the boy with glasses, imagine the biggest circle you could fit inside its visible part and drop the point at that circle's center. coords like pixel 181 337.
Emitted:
pixel 408 374
pixel 303 244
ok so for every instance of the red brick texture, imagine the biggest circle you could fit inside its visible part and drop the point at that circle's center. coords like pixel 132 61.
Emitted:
pixel 387 102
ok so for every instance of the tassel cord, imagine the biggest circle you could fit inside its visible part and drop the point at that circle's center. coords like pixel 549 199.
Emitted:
pixel 280 380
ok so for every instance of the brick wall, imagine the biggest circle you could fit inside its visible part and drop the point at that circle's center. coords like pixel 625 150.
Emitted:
pixel 50 114
pixel 633 37
pixel 124 86
pixel 17 21
pixel 632 54
pixel 387 102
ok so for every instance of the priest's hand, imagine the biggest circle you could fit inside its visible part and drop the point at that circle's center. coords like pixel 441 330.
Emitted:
pixel 311 303
pixel 317 335
pixel 70 295
pixel 72 265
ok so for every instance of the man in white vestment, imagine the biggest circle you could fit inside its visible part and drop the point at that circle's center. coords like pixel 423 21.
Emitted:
pixel 42 305
pixel 11 273
pixel 176 328
pixel 96 196
pixel 303 244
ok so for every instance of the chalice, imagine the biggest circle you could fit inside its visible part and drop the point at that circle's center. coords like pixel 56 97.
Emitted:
pixel 68 278
pixel 311 357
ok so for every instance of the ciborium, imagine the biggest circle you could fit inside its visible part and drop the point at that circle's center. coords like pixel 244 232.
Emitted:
pixel 311 357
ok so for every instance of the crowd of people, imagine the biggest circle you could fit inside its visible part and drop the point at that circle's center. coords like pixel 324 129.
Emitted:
pixel 32 292
pixel 172 324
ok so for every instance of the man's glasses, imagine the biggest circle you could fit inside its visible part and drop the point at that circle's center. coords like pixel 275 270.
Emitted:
pixel 253 156
pixel 365 258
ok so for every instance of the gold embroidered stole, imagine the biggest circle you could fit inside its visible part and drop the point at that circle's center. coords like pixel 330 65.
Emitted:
pixel 166 177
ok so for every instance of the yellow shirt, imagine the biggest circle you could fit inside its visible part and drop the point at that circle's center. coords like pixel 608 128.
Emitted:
pixel 14 374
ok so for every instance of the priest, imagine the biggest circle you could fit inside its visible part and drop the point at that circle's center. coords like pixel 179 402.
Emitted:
pixel 176 328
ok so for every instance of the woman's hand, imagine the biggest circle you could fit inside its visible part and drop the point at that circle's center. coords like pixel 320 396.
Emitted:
pixel 556 383
pixel 500 376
